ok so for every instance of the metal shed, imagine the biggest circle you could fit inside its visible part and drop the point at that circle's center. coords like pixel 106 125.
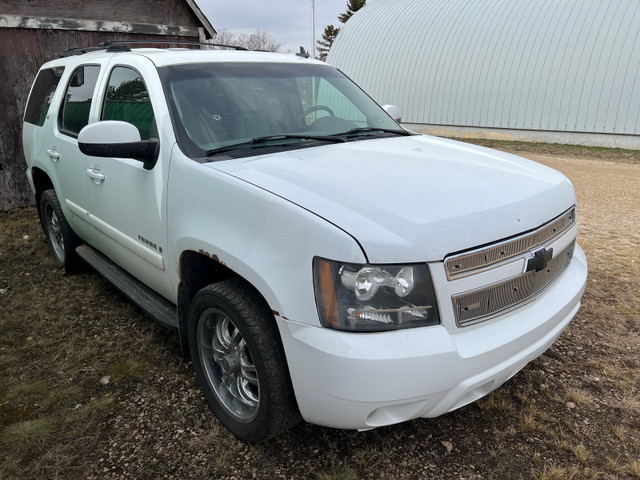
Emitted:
pixel 543 70
pixel 36 31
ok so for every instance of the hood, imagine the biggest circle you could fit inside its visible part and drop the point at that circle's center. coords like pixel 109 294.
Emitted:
pixel 412 199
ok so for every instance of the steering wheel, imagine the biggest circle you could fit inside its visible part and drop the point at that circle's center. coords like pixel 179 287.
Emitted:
pixel 315 109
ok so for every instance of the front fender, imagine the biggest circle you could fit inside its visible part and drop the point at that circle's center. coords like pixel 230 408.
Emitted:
pixel 265 239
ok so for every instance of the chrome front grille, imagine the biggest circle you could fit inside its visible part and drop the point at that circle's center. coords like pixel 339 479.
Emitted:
pixel 469 263
pixel 478 305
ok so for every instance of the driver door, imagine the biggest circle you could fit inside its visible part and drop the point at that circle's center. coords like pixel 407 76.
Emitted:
pixel 128 203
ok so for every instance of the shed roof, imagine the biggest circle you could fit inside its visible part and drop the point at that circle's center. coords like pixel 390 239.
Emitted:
pixel 170 17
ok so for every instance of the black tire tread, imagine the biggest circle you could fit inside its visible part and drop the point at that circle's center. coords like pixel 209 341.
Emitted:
pixel 71 240
pixel 283 409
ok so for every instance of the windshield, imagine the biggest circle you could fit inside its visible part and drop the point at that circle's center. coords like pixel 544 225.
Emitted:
pixel 225 107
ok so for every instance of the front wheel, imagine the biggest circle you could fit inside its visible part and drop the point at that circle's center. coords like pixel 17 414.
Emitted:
pixel 62 239
pixel 239 361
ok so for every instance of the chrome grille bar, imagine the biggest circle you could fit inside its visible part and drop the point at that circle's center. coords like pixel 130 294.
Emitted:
pixel 478 305
pixel 469 263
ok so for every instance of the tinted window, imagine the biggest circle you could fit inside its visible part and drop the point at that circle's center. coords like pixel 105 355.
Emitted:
pixel 42 94
pixel 127 99
pixel 75 109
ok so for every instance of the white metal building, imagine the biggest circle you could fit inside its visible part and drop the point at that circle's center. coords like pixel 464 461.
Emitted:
pixel 561 71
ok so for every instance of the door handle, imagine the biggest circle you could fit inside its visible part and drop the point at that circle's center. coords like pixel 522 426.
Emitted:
pixel 53 153
pixel 96 174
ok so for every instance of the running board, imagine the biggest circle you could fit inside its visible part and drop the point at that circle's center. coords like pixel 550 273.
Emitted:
pixel 154 305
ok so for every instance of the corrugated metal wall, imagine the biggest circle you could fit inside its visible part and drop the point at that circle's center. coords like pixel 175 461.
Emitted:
pixel 556 65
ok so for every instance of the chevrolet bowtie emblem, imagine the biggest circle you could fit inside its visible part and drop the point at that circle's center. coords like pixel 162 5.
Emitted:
pixel 540 259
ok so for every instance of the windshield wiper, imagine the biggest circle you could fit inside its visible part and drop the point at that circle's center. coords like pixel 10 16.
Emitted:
pixel 355 131
pixel 261 141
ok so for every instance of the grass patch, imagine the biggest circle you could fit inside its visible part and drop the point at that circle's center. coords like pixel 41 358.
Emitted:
pixel 581 453
pixel 42 393
pixel 28 393
pixel 28 435
pixel 497 400
pixel 96 408
pixel 580 396
pixel 560 149
pixel 130 369
pixel 551 472
pixel 337 472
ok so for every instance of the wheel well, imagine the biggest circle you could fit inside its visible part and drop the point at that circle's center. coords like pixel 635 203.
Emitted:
pixel 197 270
pixel 200 269
pixel 41 182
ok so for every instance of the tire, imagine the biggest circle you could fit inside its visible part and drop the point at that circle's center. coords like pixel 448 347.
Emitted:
pixel 239 361
pixel 62 239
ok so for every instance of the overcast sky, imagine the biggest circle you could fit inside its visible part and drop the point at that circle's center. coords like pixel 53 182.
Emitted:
pixel 288 21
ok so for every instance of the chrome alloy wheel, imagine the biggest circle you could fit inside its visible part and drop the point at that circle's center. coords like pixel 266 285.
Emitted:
pixel 228 364
pixel 54 231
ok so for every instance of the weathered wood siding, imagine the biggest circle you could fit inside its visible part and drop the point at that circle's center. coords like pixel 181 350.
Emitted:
pixel 160 12
pixel 22 52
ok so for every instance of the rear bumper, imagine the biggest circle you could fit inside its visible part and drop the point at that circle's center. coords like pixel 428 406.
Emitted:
pixel 361 381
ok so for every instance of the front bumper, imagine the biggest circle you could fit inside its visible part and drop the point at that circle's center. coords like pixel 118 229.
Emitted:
pixel 367 380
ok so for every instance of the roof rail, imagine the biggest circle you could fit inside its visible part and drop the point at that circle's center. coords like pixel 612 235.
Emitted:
pixel 122 46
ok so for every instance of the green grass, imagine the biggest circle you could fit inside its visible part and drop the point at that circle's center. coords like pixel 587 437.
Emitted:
pixel 28 436
pixel 130 369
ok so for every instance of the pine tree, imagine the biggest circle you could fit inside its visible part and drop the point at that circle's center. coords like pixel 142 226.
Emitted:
pixel 328 37
pixel 330 31
pixel 352 7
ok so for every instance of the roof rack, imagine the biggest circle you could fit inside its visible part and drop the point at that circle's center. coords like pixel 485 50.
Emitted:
pixel 122 46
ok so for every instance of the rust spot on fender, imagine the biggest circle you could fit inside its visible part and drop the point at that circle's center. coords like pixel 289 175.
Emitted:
pixel 277 314
pixel 212 256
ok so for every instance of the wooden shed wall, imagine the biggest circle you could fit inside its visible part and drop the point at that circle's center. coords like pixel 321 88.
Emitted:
pixel 159 12
pixel 24 50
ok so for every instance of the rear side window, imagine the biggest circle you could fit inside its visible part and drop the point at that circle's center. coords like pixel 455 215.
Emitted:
pixel 127 99
pixel 77 101
pixel 44 88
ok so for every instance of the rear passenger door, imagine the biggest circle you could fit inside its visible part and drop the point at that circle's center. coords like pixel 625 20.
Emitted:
pixel 127 202
pixel 39 120
pixel 67 162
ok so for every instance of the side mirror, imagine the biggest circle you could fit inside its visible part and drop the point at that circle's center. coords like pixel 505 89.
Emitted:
pixel 113 138
pixel 394 112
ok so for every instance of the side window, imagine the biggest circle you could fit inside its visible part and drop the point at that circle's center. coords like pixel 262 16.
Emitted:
pixel 127 99
pixel 44 88
pixel 75 110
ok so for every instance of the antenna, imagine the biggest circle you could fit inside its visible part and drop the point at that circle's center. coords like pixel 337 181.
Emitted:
pixel 302 53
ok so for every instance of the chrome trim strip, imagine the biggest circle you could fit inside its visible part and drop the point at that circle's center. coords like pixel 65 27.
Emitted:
pixel 479 305
pixel 472 262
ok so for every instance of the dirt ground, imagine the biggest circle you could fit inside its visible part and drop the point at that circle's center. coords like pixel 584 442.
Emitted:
pixel 91 388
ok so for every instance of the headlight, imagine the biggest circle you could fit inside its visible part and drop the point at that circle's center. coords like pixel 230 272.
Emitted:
pixel 374 298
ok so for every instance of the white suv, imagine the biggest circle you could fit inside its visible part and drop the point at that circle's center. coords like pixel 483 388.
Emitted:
pixel 317 260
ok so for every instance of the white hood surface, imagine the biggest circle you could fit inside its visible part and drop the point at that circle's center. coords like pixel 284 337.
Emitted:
pixel 412 199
